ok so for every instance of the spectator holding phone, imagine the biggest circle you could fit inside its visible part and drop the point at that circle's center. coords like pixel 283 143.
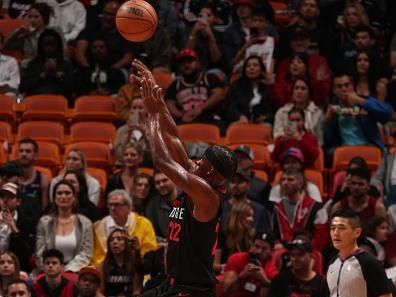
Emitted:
pixel 250 273
pixel 297 136
pixel 258 44
pixel 205 40
pixel 302 99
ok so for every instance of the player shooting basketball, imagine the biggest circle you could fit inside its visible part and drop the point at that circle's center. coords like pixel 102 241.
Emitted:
pixel 193 221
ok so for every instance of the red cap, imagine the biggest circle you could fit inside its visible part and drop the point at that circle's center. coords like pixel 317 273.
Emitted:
pixel 91 270
pixel 252 3
pixel 187 53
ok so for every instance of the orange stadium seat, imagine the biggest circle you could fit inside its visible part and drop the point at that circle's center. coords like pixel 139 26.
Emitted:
pixel 147 170
pixel 312 176
pixel 45 108
pixel 6 132
pixel 44 170
pixel 94 108
pixel 42 131
pixel 92 131
pixel 48 155
pixel 100 175
pixel 342 156
pixel 163 78
pixel 9 25
pixel 7 113
pixel 3 155
pixel 261 174
pixel 248 133
pixel 97 153
pixel 199 133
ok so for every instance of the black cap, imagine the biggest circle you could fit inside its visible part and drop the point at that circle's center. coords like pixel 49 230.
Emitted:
pixel 11 169
pixel 245 150
pixel 301 244
pixel 267 237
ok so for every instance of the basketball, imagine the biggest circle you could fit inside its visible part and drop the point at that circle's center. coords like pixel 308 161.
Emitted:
pixel 136 20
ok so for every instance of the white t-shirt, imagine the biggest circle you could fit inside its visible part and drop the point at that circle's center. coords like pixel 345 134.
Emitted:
pixel 265 50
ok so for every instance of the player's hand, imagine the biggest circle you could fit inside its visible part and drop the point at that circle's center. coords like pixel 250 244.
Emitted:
pixel 141 71
pixel 152 95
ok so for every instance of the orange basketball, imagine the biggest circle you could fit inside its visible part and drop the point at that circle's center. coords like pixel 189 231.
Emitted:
pixel 136 20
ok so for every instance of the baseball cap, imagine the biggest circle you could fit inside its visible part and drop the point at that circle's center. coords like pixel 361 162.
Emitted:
pixel 11 169
pixel 246 150
pixel 246 175
pixel 187 53
pixel 299 32
pixel 267 237
pixel 90 270
pixel 293 152
pixel 252 3
pixel 301 244
pixel 10 188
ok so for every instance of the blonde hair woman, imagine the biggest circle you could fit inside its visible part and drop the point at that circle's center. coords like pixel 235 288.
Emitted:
pixel 75 160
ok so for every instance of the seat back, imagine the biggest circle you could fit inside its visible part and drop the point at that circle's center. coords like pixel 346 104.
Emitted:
pixel 94 108
pixel 199 133
pixel 92 131
pixel 42 131
pixel 97 153
pixel 9 25
pixel 7 113
pixel 6 132
pixel 248 133
pixel 342 156
pixel 45 107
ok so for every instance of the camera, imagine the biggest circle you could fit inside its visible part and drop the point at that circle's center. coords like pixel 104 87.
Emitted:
pixel 254 32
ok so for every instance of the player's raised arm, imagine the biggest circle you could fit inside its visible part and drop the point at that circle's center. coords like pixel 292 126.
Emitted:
pixel 167 124
pixel 211 171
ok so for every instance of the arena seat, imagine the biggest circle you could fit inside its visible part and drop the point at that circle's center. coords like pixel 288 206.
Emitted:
pixel 6 132
pixel 94 108
pixel 45 108
pixel 92 131
pixel 248 133
pixel 7 113
pixel 342 156
pixel 98 154
pixel 199 133
pixel 9 25
pixel 42 131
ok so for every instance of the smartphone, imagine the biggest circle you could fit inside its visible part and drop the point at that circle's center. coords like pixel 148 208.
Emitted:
pixel 134 117
pixel 292 126
pixel 254 258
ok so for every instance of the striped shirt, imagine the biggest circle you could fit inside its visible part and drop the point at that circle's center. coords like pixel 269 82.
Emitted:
pixel 358 275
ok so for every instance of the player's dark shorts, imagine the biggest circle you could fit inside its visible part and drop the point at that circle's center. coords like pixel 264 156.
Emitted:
pixel 166 289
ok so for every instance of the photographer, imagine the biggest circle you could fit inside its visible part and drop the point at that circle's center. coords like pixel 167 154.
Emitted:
pixel 250 273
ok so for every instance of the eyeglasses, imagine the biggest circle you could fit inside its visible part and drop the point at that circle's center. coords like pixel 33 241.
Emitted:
pixel 115 205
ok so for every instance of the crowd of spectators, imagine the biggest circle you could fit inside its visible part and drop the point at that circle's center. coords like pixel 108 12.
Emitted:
pixel 319 74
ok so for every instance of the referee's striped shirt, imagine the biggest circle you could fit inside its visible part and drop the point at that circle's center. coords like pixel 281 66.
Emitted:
pixel 359 275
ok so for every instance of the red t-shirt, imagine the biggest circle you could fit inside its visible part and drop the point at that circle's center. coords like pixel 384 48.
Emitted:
pixel 236 262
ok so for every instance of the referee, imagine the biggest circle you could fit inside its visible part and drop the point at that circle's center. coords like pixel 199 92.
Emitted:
pixel 354 273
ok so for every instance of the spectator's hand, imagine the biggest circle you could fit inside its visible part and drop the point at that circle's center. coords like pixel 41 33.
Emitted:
pixel 330 112
pixel 355 99
pixel 23 31
pixel 50 66
pixel 243 120
pixel 269 78
pixel 9 220
pixel 247 271
pixel 382 90
pixel 134 243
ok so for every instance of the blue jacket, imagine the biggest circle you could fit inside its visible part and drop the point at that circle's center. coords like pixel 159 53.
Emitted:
pixel 377 111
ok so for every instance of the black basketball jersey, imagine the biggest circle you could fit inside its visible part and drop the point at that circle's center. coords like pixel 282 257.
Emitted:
pixel 192 246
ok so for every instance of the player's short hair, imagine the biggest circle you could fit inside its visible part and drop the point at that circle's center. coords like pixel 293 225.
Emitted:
pixel 352 217
pixel 223 160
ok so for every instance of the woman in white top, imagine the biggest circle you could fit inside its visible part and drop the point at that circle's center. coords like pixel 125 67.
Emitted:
pixel 65 230
pixel 75 160
pixel 302 99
